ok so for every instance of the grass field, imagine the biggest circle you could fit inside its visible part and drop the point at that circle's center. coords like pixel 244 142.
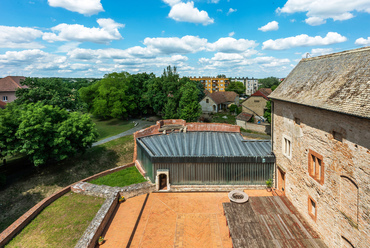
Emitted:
pixel 61 224
pixel 28 185
pixel 107 128
pixel 218 118
pixel 120 178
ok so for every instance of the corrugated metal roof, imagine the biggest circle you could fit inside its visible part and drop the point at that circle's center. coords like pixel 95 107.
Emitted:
pixel 204 144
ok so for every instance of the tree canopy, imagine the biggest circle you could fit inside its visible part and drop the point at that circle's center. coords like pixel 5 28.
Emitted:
pixel 237 87
pixel 48 91
pixel 44 132
pixel 269 82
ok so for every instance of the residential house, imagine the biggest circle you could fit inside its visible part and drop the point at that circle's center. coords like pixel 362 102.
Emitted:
pixel 8 86
pixel 321 139
pixel 256 103
pixel 251 84
pixel 216 101
pixel 212 84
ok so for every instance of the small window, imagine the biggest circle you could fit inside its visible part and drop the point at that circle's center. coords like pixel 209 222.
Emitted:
pixel 256 100
pixel 316 166
pixel 297 121
pixel 338 136
pixel 312 208
pixel 5 98
pixel 287 148
pixel 207 100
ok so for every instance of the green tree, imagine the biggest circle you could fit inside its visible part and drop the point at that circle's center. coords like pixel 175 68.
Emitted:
pixel 45 132
pixel 189 107
pixel 49 91
pixel 267 113
pixel 221 76
pixel 137 86
pixel 268 82
pixel 237 87
pixel 170 109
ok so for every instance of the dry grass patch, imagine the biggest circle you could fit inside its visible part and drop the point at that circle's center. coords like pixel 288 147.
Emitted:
pixel 61 224
pixel 30 185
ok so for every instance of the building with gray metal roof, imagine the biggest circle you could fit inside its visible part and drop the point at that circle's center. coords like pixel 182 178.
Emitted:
pixel 206 157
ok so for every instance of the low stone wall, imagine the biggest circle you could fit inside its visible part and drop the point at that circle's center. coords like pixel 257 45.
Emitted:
pixel 26 218
pixel 97 225
pixel 261 128
pixel 95 229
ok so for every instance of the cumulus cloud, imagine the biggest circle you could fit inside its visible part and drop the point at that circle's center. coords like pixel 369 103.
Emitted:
pixel 231 45
pixel 318 51
pixel 231 33
pixel 231 10
pixel 107 32
pixel 303 40
pixel 19 37
pixel 318 11
pixel 363 42
pixel 186 44
pixel 271 26
pixel 186 12
pixel 85 7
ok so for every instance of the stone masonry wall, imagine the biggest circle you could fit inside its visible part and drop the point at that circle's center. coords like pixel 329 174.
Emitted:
pixel 343 198
pixel 258 107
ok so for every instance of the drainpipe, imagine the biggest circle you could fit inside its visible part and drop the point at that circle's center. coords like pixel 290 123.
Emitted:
pixel 272 137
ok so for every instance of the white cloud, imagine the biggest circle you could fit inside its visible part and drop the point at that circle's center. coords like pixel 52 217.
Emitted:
pixel 186 44
pixel 271 26
pixel 318 11
pixel 107 32
pixel 28 56
pixel 318 51
pixel 68 47
pixel 303 40
pixel 19 37
pixel 186 12
pixel 85 7
pixel 315 21
pixel 231 10
pixel 231 45
pixel 363 42
pixel 231 33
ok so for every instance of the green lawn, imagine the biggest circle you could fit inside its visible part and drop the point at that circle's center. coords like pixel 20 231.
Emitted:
pixel 108 128
pixel 121 178
pixel 28 185
pixel 218 118
pixel 61 224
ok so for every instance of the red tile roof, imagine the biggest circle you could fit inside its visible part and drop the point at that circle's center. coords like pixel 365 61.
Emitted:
pixel 264 92
pixel 244 116
pixel 2 104
pixel 223 96
pixel 11 83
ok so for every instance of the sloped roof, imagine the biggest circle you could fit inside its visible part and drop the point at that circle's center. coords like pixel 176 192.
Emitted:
pixel 337 82
pixel 2 104
pixel 264 92
pixel 243 116
pixel 223 96
pixel 11 83
pixel 204 144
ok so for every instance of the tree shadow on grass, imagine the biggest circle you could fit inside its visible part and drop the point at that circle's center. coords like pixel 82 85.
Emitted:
pixel 27 185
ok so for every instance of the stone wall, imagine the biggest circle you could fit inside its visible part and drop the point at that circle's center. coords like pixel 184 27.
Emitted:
pixel 208 107
pixel 343 196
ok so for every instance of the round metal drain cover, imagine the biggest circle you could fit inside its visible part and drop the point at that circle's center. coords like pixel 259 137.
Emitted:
pixel 238 196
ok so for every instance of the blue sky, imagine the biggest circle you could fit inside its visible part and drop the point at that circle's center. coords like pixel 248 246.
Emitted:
pixel 253 38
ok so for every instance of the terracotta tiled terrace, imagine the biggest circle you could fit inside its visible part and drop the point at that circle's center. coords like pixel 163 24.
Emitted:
pixel 173 220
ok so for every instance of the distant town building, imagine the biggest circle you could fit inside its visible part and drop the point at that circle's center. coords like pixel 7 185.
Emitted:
pixel 216 101
pixel 321 139
pixel 212 84
pixel 256 103
pixel 251 84
pixel 8 86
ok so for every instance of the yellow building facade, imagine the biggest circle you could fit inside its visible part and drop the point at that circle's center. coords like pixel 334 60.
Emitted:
pixel 212 84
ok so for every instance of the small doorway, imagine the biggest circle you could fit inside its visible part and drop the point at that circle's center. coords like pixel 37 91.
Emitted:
pixel 162 182
pixel 281 180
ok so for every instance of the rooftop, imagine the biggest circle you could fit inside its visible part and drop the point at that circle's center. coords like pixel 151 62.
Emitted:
pixel 337 82
pixel 204 144
pixel 11 83
pixel 223 96
pixel 264 92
